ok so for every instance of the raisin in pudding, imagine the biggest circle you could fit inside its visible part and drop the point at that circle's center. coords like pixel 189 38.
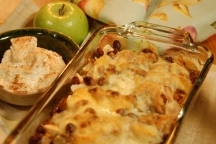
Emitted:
pixel 121 96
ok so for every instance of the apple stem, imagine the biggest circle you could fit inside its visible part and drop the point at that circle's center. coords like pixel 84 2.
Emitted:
pixel 61 10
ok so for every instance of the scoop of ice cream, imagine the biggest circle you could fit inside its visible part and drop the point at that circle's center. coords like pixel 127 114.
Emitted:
pixel 28 68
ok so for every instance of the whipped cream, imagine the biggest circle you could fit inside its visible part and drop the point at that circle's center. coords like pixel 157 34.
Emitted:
pixel 26 68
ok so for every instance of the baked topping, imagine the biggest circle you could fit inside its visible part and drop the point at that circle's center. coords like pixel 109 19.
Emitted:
pixel 123 97
pixel 26 68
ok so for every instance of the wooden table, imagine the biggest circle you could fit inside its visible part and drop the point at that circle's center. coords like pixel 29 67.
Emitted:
pixel 210 43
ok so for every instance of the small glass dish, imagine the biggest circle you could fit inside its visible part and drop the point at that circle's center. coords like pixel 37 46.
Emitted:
pixel 136 32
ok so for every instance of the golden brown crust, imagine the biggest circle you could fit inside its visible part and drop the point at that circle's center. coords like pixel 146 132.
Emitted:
pixel 125 97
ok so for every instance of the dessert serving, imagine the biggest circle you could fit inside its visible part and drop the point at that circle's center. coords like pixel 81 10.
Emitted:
pixel 121 96
pixel 125 85
pixel 31 59
pixel 26 68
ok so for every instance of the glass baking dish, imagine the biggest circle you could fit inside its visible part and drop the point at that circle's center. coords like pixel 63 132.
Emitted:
pixel 136 32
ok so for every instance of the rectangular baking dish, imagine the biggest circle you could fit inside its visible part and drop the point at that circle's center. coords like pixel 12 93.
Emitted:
pixel 136 32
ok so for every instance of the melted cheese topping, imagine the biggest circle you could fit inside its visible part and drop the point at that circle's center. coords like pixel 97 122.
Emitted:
pixel 138 102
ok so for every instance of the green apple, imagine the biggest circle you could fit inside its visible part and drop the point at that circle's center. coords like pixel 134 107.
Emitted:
pixel 64 17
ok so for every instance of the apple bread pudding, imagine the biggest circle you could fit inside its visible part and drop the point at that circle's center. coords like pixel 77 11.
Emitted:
pixel 122 97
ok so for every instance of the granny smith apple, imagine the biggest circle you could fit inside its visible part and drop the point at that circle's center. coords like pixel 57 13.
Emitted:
pixel 64 17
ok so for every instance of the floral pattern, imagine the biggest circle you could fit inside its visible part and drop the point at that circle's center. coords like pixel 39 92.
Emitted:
pixel 117 12
pixel 194 16
pixel 214 24
pixel 180 6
